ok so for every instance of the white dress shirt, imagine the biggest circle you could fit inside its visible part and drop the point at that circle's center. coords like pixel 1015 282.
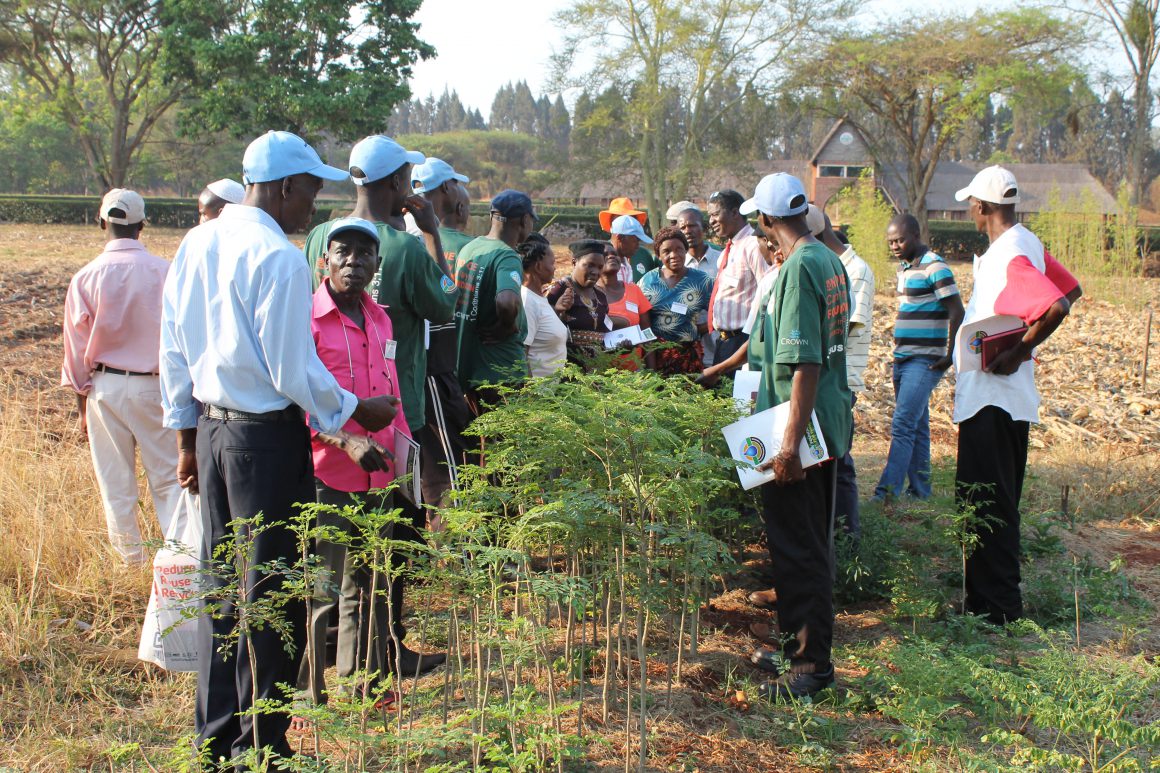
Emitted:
pixel 235 328
pixel 736 282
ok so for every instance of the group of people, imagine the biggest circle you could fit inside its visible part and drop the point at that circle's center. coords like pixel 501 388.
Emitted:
pixel 262 376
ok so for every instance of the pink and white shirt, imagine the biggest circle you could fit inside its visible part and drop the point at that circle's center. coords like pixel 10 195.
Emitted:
pixel 112 314
pixel 736 282
pixel 1015 277
pixel 362 360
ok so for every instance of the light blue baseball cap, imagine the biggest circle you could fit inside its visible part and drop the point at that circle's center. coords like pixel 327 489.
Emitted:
pixel 277 155
pixel 432 173
pixel 377 156
pixel 352 224
pixel 627 225
pixel 777 195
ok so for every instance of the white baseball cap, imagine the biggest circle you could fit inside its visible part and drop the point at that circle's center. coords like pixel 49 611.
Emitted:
pixel 815 220
pixel 675 210
pixel 129 202
pixel 994 184
pixel 227 190
pixel 627 225
pixel 378 156
pixel 777 195
pixel 278 155
pixel 352 224
pixel 430 174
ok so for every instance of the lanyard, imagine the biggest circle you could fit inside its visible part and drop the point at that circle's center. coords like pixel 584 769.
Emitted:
pixel 378 343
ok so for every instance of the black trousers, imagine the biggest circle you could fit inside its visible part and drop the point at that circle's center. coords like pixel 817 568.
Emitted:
pixel 442 446
pixel 992 462
pixel 727 347
pixel 799 526
pixel 246 468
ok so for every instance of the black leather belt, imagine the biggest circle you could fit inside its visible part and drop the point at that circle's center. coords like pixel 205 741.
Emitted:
pixel 289 413
pixel 725 335
pixel 118 372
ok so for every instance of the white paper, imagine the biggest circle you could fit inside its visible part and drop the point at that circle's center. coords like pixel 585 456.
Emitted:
pixel 632 335
pixel 968 343
pixel 745 386
pixel 680 308
pixel 389 349
pixel 756 439
pixel 407 463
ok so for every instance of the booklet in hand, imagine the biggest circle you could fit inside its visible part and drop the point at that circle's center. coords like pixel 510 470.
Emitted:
pixel 407 463
pixel 993 346
pixel 969 342
pixel 756 439
pixel 631 335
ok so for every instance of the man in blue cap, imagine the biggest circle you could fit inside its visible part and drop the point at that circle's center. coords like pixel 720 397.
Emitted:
pixel 490 317
pixel 627 237
pixel 413 283
pixel 803 346
pixel 235 339
pixel 447 411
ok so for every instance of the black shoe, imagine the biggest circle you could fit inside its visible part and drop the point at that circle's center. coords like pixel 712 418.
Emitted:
pixel 412 663
pixel 768 659
pixel 795 687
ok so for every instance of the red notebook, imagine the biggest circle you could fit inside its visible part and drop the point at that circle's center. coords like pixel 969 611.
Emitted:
pixel 993 346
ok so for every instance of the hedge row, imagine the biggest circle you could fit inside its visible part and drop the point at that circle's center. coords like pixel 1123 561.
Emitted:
pixel 952 239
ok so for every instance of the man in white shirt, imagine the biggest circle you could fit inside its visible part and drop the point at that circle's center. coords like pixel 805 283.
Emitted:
pixel 861 278
pixel 740 268
pixel 703 257
pixel 236 344
pixel 994 408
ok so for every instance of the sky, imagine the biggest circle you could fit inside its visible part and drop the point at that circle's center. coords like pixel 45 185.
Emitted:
pixel 484 44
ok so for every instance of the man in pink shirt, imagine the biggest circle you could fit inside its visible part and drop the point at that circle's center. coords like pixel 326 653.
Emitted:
pixel 355 341
pixel 112 330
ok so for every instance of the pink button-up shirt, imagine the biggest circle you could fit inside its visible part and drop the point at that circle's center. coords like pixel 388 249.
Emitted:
pixel 363 362
pixel 112 314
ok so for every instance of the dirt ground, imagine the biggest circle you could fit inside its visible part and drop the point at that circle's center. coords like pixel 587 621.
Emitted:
pixel 1098 441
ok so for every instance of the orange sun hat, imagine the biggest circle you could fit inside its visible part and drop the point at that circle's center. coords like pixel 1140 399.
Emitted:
pixel 618 207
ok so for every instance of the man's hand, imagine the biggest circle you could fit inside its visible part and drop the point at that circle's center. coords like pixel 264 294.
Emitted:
pixel 423 213
pixel 83 417
pixel 187 459
pixel 942 363
pixel 1010 361
pixel 375 413
pixel 565 301
pixel 493 334
pixel 787 468
pixel 366 453
pixel 709 377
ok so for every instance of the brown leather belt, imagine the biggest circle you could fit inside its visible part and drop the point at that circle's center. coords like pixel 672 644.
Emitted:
pixel 289 413
pixel 118 372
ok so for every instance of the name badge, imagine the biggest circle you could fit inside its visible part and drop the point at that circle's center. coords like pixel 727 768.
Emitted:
pixel 389 348
pixel 680 308
pixel 729 281
pixel 632 307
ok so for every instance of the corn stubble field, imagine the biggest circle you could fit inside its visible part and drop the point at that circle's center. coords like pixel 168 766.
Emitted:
pixel 918 686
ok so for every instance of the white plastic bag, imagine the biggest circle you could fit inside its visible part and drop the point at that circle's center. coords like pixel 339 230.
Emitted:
pixel 175 582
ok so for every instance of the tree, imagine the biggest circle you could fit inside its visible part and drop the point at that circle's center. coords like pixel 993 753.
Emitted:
pixel 96 63
pixel 1136 25
pixel 916 85
pixel 307 66
pixel 668 56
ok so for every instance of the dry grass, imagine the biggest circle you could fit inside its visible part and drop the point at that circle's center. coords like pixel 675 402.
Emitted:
pixel 71 688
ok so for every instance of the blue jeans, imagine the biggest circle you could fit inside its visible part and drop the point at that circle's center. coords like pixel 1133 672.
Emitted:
pixel 909 457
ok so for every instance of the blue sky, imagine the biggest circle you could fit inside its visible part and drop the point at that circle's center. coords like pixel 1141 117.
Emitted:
pixel 487 43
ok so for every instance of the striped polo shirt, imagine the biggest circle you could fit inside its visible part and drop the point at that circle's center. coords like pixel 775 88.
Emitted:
pixel 921 327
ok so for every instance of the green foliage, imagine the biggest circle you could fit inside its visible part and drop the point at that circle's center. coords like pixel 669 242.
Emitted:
pixel 956 239
pixel 333 66
pixel 865 214
pixel 494 160
pixel 1077 233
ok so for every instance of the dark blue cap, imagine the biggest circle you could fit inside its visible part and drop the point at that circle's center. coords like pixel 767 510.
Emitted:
pixel 509 204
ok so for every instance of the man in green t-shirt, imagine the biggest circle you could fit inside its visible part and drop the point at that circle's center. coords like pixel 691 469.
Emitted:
pixel 490 316
pixel 804 351
pixel 447 410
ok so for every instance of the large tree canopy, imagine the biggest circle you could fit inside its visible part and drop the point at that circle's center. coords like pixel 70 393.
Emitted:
pixel 308 66
pixel 914 86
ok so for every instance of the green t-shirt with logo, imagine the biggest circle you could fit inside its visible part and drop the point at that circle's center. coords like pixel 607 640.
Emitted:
pixel 643 261
pixel 484 269
pixel 443 351
pixel 413 289
pixel 808 325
